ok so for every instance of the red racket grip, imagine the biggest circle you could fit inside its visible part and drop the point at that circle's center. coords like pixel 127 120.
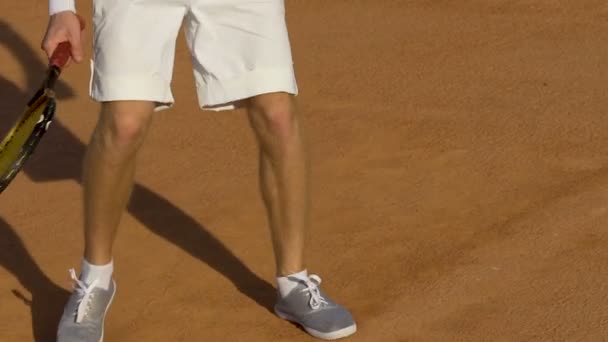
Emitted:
pixel 61 55
pixel 63 52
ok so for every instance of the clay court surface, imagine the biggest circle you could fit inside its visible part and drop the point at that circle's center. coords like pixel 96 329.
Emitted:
pixel 460 166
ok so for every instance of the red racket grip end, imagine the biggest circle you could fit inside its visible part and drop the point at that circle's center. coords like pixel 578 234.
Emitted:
pixel 63 52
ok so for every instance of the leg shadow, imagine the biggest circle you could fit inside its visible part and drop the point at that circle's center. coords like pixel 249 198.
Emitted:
pixel 177 227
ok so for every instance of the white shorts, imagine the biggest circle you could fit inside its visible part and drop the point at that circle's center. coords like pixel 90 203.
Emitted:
pixel 239 48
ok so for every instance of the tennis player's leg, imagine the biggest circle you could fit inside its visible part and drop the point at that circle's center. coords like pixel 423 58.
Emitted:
pixel 242 56
pixel 284 180
pixel 283 176
pixel 132 66
pixel 108 173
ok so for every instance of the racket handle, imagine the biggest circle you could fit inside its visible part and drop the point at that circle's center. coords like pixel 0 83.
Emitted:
pixel 61 55
pixel 63 52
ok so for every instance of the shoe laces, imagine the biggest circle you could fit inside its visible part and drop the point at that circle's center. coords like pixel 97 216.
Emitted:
pixel 85 293
pixel 312 288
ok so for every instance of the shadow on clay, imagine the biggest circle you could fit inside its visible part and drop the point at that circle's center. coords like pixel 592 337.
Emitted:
pixel 59 157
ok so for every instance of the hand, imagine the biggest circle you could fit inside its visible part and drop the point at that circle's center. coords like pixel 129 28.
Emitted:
pixel 64 26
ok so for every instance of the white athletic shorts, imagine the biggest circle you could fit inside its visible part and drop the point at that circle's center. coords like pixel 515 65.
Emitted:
pixel 239 49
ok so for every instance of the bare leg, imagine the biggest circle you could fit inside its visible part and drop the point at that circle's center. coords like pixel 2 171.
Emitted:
pixel 109 168
pixel 283 176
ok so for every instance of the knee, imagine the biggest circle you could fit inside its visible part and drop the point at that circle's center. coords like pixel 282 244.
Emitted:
pixel 123 126
pixel 126 131
pixel 275 118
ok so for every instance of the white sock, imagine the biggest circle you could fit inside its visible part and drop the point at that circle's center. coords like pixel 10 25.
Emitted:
pixel 91 272
pixel 286 285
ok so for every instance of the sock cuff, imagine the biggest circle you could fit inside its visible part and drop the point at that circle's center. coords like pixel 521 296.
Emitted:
pixel 103 273
pixel 285 284
pixel 106 267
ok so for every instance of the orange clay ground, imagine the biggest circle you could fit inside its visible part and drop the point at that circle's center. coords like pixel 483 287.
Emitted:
pixel 460 166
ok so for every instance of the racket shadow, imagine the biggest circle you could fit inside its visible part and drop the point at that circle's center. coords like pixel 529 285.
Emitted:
pixel 45 298
pixel 59 157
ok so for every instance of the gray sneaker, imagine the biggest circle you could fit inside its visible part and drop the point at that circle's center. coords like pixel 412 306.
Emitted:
pixel 309 307
pixel 84 313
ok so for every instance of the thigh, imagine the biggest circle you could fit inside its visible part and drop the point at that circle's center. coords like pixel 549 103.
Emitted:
pixel 126 115
pixel 271 102
pixel 240 49
pixel 231 36
pixel 133 49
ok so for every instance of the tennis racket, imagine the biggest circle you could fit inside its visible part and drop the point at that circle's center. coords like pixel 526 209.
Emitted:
pixel 24 136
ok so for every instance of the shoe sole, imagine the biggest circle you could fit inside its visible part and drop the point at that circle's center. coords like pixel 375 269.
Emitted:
pixel 334 335
pixel 103 321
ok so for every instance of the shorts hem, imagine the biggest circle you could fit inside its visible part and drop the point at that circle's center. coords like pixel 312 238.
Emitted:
pixel 219 95
pixel 131 88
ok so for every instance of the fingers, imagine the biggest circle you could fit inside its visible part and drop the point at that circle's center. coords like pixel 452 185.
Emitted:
pixel 62 27
pixel 49 45
pixel 76 44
